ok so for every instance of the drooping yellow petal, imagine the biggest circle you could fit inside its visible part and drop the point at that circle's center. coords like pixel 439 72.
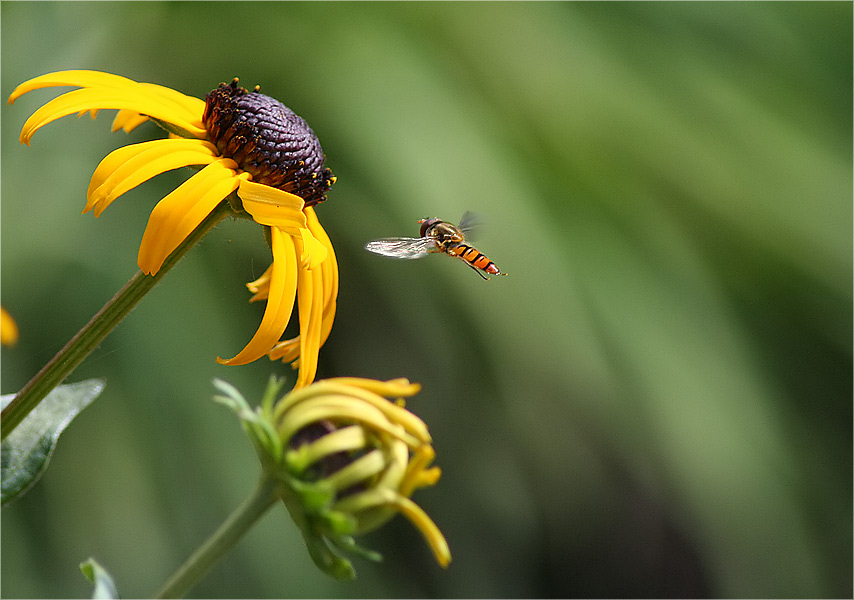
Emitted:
pixel 280 303
pixel 286 351
pixel 309 293
pixel 330 272
pixel 385 497
pixel 423 523
pixel 277 208
pixel 289 350
pixel 129 166
pixel 261 286
pixel 313 252
pixel 179 213
pixel 273 207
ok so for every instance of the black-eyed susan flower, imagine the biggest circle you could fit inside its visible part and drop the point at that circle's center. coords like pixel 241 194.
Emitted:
pixel 8 329
pixel 347 456
pixel 240 141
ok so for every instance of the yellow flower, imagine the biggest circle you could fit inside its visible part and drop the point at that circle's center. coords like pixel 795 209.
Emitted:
pixel 8 329
pixel 348 459
pixel 243 142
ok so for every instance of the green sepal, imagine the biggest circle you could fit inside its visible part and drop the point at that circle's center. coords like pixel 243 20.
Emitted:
pixel 348 544
pixel 337 524
pixel 171 128
pixel 259 428
pixel 313 497
pixel 27 450
pixel 327 559
pixel 105 587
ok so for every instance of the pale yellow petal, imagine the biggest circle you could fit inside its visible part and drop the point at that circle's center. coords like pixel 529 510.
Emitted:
pixel 423 523
pixel 385 497
pixel 140 162
pixel 393 388
pixel 280 303
pixel 179 213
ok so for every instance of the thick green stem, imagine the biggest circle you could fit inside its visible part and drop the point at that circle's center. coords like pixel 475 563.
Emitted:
pixel 222 540
pixel 88 338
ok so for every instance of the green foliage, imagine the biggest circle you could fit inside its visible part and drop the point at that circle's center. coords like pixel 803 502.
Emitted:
pixel 27 450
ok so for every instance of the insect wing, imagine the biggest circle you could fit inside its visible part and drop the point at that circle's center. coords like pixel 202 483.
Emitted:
pixel 401 247
pixel 470 224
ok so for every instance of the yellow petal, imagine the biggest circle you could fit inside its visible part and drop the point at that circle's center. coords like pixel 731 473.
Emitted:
pixel 179 213
pixel 127 120
pixel 190 107
pixel 88 98
pixel 276 208
pixel 273 207
pixel 385 497
pixel 423 523
pixel 393 388
pixel 186 107
pixel 261 286
pixel 75 78
pixel 309 293
pixel 8 329
pixel 127 167
pixel 280 303
pixel 289 350
pixel 313 252
pixel 339 409
pixel 329 270
pixel 286 351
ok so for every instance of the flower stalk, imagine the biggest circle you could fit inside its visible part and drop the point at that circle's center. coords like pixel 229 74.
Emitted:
pixel 222 540
pixel 93 333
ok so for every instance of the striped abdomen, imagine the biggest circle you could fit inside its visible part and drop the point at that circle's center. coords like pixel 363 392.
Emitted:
pixel 473 257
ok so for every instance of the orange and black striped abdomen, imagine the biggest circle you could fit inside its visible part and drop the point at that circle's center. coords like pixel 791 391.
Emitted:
pixel 473 257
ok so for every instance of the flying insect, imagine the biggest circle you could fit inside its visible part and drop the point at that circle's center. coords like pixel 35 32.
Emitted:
pixel 438 236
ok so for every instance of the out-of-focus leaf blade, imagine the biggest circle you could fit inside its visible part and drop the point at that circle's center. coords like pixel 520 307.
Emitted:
pixel 25 452
pixel 105 587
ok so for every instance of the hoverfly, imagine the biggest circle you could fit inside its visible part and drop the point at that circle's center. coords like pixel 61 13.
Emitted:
pixel 438 236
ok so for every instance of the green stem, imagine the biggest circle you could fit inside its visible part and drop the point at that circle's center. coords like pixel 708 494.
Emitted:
pixel 88 338
pixel 222 540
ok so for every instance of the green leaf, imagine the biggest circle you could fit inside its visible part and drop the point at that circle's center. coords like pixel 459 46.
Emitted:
pixel 26 451
pixel 105 588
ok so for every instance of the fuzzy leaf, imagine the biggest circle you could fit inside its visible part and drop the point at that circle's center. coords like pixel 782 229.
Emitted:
pixel 25 452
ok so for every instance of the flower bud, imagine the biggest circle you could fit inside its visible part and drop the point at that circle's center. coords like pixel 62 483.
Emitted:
pixel 348 456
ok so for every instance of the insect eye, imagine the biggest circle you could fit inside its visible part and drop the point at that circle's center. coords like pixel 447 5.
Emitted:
pixel 426 224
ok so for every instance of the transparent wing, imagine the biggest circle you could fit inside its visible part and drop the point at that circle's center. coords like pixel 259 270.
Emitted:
pixel 470 224
pixel 401 247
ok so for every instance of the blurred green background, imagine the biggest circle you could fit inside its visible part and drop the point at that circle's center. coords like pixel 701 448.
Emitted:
pixel 656 402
